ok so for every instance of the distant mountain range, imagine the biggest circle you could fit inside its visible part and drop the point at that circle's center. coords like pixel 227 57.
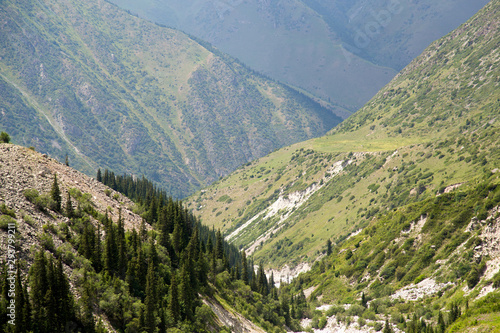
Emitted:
pixel 110 90
pixel 342 51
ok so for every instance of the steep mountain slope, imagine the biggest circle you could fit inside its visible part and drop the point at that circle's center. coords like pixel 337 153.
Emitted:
pixel 342 51
pixel 434 263
pixel 81 257
pixel 432 129
pixel 111 90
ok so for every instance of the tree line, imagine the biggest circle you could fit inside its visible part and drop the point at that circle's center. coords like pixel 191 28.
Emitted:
pixel 151 278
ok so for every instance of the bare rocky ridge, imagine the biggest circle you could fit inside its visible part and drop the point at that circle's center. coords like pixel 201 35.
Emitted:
pixel 22 168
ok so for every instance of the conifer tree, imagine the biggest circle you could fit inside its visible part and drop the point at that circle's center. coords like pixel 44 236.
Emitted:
pixel 97 255
pixel 244 267
pixel 87 242
pixel 70 212
pixel 143 232
pixel 87 300
pixel 441 324
pixel 186 296
pixel 22 305
pixel 26 313
pixel 328 247
pixel 213 266
pixel 99 175
pixel 271 281
pixel 51 314
pixel 39 286
pixel 111 250
pixel 150 301
pixel 164 226
pixel 177 238
pixel 55 193
pixel 202 269
pixel 262 286
pixel 122 246
pixel 105 178
pixel 4 137
pixel 285 308
pixel 64 298
pixel 387 327
pixel 219 248
pixel 173 302
pixel 210 246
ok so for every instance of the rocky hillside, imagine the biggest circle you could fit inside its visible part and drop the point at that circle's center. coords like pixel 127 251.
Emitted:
pixel 110 90
pixel 435 263
pixel 433 128
pixel 24 169
pixel 120 266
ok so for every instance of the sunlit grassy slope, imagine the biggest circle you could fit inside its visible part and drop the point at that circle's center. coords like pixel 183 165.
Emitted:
pixel 435 125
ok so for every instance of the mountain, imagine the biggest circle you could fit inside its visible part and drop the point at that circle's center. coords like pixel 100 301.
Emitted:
pixel 110 90
pixel 82 257
pixel 342 51
pixel 432 129
pixel 391 221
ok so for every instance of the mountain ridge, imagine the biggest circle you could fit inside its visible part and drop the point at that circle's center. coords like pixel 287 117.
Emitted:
pixel 342 52
pixel 421 133
pixel 120 89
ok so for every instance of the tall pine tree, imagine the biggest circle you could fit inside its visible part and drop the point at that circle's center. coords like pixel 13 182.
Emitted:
pixel 55 193
pixel 150 301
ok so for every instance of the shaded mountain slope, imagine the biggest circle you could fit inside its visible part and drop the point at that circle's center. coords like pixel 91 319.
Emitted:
pixel 112 90
pixel 342 51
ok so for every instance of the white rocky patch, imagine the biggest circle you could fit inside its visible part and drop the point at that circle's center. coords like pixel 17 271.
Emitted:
pixel 339 327
pixel 287 274
pixel 424 288
pixel 286 204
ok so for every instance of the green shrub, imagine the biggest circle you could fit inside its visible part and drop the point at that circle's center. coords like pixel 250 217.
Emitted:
pixel 31 194
pixel 378 326
pixel 7 211
pixel 334 310
pixel 322 322
pixel 473 278
pixel 42 202
pixel 356 310
pixel 5 220
pixel 419 279
pixel 496 280
pixel 388 271
pixel 47 242
pixel 28 219
pixel 4 137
